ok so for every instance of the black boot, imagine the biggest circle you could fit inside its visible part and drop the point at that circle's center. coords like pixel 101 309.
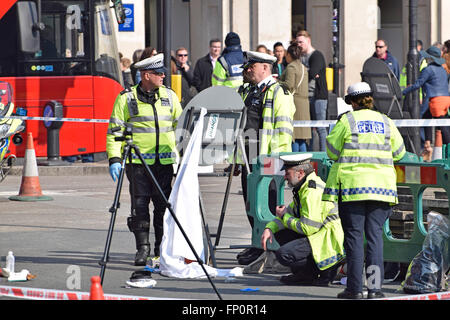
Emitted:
pixel 249 255
pixel 326 276
pixel 297 279
pixel 159 231
pixel 143 248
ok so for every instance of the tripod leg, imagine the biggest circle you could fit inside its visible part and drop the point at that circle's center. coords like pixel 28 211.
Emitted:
pixel 168 205
pixel 208 241
pixel 113 210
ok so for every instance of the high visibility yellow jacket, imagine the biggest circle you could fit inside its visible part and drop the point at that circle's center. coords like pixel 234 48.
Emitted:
pixel 318 220
pixel 278 110
pixel 221 77
pixel 403 77
pixel 153 126
pixel 364 145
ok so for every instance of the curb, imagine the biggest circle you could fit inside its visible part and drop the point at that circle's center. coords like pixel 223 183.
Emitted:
pixel 65 170
pixel 89 169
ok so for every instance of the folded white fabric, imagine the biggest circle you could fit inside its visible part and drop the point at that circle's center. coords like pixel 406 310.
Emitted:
pixel 143 283
pixel 18 276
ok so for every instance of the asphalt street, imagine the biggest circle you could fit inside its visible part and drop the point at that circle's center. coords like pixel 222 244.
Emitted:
pixel 61 241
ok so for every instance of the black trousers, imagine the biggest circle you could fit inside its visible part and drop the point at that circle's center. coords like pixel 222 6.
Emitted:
pixel 445 131
pixel 144 190
pixel 295 252
pixel 359 219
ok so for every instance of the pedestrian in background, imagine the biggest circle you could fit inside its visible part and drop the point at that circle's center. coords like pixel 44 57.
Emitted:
pixel 228 71
pixel 125 64
pixel 314 60
pixel 382 53
pixel 205 66
pixel 446 56
pixel 262 48
pixel 295 79
pixel 434 81
pixel 364 145
pixel 147 53
pixel 279 52
pixel 136 57
pixel 182 65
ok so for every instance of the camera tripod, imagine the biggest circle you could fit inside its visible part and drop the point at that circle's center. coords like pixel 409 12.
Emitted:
pixel 126 154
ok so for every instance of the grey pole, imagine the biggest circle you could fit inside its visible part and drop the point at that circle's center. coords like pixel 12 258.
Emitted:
pixel 413 69
pixel 167 25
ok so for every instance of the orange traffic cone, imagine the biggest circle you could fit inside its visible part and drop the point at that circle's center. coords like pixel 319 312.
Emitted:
pixel 437 150
pixel 30 188
pixel 96 289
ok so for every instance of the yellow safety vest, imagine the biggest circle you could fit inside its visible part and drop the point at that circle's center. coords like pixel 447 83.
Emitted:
pixel 277 114
pixel 364 145
pixel 153 126
pixel 318 220
pixel 220 77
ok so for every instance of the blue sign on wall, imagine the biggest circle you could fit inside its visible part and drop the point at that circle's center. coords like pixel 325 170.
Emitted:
pixel 129 20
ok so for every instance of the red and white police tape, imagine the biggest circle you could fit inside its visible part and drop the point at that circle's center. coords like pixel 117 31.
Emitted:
pixel 427 296
pixel 50 294
pixel 297 124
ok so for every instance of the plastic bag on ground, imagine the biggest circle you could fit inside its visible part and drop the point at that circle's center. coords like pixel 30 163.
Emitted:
pixel 427 271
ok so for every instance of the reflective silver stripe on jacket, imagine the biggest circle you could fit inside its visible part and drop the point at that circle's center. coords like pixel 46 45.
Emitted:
pixel 117 121
pixel 152 130
pixel 333 150
pixel 355 145
pixel 150 118
pixel 279 224
pixel 218 79
pixel 273 131
pixel 399 150
pixel 290 210
pixel 278 119
pixel 298 225
pixel 368 160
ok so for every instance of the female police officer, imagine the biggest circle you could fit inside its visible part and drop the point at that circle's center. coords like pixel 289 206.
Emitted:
pixel 364 145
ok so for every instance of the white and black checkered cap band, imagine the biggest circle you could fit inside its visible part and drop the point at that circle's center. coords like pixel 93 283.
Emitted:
pixel 293 160
pixel 153 63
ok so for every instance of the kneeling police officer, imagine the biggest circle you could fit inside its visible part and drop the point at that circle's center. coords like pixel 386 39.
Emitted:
pixel 152 110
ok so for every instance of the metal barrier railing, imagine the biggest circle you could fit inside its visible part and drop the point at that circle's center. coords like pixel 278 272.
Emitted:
pixel 411 171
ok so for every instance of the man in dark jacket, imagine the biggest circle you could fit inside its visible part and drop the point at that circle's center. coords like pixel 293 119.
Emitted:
pixel 381 52
pixel 205 66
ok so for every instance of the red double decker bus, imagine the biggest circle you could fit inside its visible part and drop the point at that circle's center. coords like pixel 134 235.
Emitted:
pixel 61 59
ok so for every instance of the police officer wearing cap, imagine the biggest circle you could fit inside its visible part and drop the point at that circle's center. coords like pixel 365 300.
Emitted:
pixel 269 111
pixel 309 230
pixel 152 110
pixel 364 145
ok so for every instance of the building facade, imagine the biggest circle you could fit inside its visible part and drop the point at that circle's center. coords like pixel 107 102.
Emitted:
pixel 195 22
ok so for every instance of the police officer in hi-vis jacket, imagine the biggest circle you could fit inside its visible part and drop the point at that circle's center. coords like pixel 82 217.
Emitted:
pixel 152 110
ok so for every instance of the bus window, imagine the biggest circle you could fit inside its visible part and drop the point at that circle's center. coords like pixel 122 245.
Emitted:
pixel 64 41
pixel 77 39
pixel 106 52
